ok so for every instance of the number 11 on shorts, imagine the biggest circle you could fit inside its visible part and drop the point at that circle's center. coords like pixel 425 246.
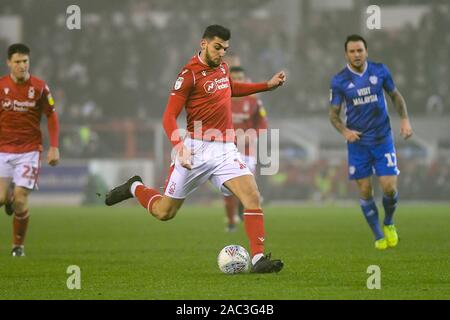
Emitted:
pixel 391 159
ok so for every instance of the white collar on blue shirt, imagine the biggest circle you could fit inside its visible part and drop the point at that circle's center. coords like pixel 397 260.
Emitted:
pixel 357 73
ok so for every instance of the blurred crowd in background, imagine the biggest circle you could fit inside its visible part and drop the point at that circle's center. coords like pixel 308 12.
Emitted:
pixel 124 60
pixel 117 71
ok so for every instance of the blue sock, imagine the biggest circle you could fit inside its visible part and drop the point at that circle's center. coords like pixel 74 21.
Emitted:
pixel 369 208
pixel 389 204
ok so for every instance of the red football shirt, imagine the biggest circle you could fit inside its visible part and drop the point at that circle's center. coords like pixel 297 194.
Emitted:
pixel 22 106
pixel 248 113
pixel 206 94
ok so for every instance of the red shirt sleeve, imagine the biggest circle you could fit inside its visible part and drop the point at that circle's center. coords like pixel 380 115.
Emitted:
pixel 48 107
pixel 181 90
pixel 46 101
pixel 245 89
pixel 53 129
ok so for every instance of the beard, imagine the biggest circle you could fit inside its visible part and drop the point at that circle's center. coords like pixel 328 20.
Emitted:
pixel 359 64
pixel 209 61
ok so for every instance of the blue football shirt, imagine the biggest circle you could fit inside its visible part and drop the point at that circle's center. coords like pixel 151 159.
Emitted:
pixel 364 100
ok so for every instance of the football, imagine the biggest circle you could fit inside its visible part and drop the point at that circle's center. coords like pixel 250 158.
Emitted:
pixel 233 259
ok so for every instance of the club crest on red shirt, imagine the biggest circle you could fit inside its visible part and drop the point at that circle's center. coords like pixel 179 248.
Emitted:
pixel 210 86
pixel 31 93
pixel 7 104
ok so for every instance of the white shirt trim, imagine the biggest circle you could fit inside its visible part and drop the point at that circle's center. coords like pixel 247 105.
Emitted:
pixel 357 73
pixel 200 58
pixel 193 76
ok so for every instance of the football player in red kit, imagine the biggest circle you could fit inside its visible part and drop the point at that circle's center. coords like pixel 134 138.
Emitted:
pixel 24 98
pixel 249 118
pixel 207 152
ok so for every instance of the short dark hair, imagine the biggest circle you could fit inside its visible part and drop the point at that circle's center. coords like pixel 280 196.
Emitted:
pixel 216 30
pixel 353 38
pixel 18 48
pixel 237 69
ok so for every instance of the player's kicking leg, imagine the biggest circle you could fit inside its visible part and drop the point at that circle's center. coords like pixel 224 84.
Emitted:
pixel 121 192
pixel 160 206
pixel 246 190
pixel 370 211
pixel 390 198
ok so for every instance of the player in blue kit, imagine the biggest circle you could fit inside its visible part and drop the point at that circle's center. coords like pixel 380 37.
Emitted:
pixel 359 86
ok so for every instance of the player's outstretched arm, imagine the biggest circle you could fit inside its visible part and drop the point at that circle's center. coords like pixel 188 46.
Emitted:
pixel 400 106
pixel 53 130
pixel 335 119
pixel 242 89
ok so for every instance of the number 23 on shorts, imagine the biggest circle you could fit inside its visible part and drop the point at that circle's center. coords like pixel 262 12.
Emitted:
pixel 30 172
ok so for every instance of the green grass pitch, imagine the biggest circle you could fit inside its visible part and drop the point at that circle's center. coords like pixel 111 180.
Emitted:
pixel 124 253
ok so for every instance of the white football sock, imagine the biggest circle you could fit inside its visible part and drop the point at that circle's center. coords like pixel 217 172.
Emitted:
pixel 134 186
pixel 256 258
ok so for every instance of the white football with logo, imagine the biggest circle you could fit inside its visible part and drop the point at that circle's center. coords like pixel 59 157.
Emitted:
pixel 233 259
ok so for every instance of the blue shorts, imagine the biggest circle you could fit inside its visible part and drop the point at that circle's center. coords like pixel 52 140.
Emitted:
pixel 365 160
